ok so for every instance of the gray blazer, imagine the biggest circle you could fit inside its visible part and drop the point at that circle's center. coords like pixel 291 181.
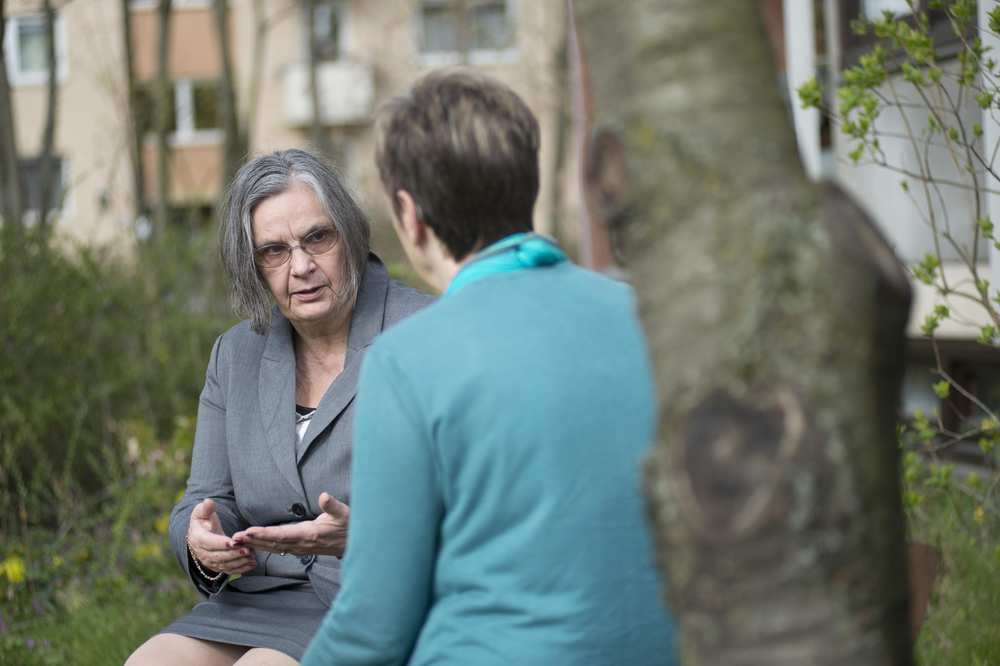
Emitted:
pixel 246 456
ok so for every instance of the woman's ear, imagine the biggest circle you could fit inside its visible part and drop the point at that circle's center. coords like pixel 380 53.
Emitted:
pixel 408 217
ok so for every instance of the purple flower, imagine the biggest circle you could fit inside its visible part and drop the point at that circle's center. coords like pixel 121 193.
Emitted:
pixel 30 643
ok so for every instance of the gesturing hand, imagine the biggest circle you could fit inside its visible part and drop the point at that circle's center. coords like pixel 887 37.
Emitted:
pixel 324 535
pixel 214 550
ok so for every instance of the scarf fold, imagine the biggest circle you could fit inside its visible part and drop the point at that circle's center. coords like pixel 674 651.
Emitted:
pixel 516 252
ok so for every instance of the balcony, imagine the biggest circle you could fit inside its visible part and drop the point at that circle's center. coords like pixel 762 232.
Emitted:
pixel 346 93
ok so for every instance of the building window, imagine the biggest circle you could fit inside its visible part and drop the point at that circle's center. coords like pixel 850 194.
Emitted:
pixel 193 110
pixel 327 24
pixel 875 9
pixel 27 52
pixel 30 181
pixel 946 43
pixel 174 4
pixel 480 29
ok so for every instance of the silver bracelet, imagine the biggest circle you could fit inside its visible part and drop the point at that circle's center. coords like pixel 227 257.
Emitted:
pixel 197 565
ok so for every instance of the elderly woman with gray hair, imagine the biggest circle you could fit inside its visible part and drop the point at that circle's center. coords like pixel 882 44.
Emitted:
pixel 263 522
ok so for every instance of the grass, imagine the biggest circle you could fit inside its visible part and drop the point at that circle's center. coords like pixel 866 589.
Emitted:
pixel 123 585
pixel 103 629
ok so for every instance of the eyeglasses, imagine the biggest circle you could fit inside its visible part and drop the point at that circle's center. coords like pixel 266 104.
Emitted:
pixel 317 241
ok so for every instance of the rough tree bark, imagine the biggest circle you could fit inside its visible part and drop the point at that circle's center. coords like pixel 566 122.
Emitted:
pixel 47 171
pixel 163 84
pixel 9 169
pixel 776 324
pixel 134 127
pixel 235 144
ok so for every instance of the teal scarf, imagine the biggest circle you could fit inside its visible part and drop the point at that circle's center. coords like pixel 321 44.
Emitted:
pixel 516 252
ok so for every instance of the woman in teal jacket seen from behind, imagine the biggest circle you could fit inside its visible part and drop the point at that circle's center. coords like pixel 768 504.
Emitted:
pixel 496 511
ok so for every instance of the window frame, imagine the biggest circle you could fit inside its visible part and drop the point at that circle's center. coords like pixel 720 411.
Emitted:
pixel 63 199
pixel 476 56
pixel 174 4
pixel 341 9
pixel 185 132
pixel 12 45
pixel 947 44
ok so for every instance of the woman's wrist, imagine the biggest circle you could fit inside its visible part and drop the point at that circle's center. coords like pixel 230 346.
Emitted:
pixel 197 565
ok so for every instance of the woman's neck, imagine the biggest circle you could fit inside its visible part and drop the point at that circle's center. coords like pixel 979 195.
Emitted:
pixel 316 344
pixel 320 354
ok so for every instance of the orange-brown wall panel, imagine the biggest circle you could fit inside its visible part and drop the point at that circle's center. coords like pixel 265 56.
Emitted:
pixel 194 172
pixel 194 49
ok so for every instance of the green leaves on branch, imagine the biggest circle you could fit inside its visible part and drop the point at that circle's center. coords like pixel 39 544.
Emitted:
pixel 926 271
pixel 940 476
pixel 942 389
pixel 985 225
pixel 810 94
pixel 922 427
pixel 994 18
pixel 990 434
pixel 988 334
pixel 933 320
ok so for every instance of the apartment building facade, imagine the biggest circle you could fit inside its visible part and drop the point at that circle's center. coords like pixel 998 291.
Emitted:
pixel 367 53
pixel 816 40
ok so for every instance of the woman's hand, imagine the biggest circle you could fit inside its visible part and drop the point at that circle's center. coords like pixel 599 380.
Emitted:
pixel 324 535
pixel 210 545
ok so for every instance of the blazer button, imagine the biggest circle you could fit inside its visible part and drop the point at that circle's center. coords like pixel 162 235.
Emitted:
pixel 307 559
pixel 298 510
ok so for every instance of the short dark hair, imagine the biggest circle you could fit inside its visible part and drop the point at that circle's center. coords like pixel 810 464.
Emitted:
pixel 465 147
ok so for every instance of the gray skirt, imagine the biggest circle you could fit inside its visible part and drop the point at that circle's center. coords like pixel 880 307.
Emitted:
pixel 282 619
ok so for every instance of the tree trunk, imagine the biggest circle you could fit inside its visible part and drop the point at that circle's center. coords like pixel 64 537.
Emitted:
pixel 235 147
pixel 253 94
pixel 134 127
pixel 320 138
pixel 9 168
pixel 163 84
pixel 776 327
pixel 47 184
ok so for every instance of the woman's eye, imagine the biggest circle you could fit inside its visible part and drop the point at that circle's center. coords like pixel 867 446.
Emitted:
pixel 319 236
pixel 272 250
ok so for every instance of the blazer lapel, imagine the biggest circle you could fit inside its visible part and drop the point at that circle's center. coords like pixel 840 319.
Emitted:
pixel 276 388
pixel 366 323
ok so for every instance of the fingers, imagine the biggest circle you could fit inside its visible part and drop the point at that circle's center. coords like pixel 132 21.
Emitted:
pixel 235 561
pixel 334 507
pixel 295 538
pixel 204 510
pixel 206 540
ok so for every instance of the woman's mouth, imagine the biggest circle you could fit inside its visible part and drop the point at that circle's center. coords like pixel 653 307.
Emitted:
pixel 307 294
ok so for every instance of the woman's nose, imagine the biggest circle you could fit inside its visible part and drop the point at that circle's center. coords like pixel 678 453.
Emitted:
pixel 301 261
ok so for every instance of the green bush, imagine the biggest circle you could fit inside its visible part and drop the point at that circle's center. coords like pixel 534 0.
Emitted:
pixel 90 341
pixel 94 589
pixel 958 517
pixel 103 357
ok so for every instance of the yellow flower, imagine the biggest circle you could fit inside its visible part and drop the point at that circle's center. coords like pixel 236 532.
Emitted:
pixel 980 514
pixel 147 550
pixel 13 568
pixel 162 523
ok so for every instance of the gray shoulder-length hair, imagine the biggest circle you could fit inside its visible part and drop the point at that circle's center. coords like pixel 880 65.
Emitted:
pixel 264 177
